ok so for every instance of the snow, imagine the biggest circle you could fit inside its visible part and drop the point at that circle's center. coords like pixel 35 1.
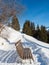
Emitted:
pixel 9 55
pixel 4 45
pixel 36 41
pixel 46 52
pixel 11 34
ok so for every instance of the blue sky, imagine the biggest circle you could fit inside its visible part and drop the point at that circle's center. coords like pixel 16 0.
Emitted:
pixel 36 11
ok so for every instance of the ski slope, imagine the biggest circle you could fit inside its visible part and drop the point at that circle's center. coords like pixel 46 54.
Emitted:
pixel 9 55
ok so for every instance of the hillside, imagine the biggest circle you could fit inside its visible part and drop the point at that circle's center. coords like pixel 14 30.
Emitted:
pixel 9 55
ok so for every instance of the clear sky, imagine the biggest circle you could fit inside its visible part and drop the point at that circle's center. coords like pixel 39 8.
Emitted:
pixel 37 11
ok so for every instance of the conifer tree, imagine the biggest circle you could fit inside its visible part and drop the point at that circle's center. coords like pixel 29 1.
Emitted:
pixel 48 36
pixel 15 23
pixel 32 28
pixel 43 35
pixel 38 27
pixel 27 28
pixel 37 33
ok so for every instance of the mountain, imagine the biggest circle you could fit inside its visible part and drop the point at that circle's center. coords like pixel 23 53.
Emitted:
pixel 9 55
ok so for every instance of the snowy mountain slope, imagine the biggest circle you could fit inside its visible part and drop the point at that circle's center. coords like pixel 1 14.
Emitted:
pixel 9 55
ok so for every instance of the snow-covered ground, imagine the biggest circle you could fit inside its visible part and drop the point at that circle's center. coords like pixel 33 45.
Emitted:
pixel 9 55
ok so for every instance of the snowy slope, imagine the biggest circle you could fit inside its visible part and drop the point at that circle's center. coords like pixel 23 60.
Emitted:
pixel 10 34
pixel 40 43
pixel 9 55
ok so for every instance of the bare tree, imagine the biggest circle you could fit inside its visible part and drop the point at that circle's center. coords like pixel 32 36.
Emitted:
pixel 8 8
